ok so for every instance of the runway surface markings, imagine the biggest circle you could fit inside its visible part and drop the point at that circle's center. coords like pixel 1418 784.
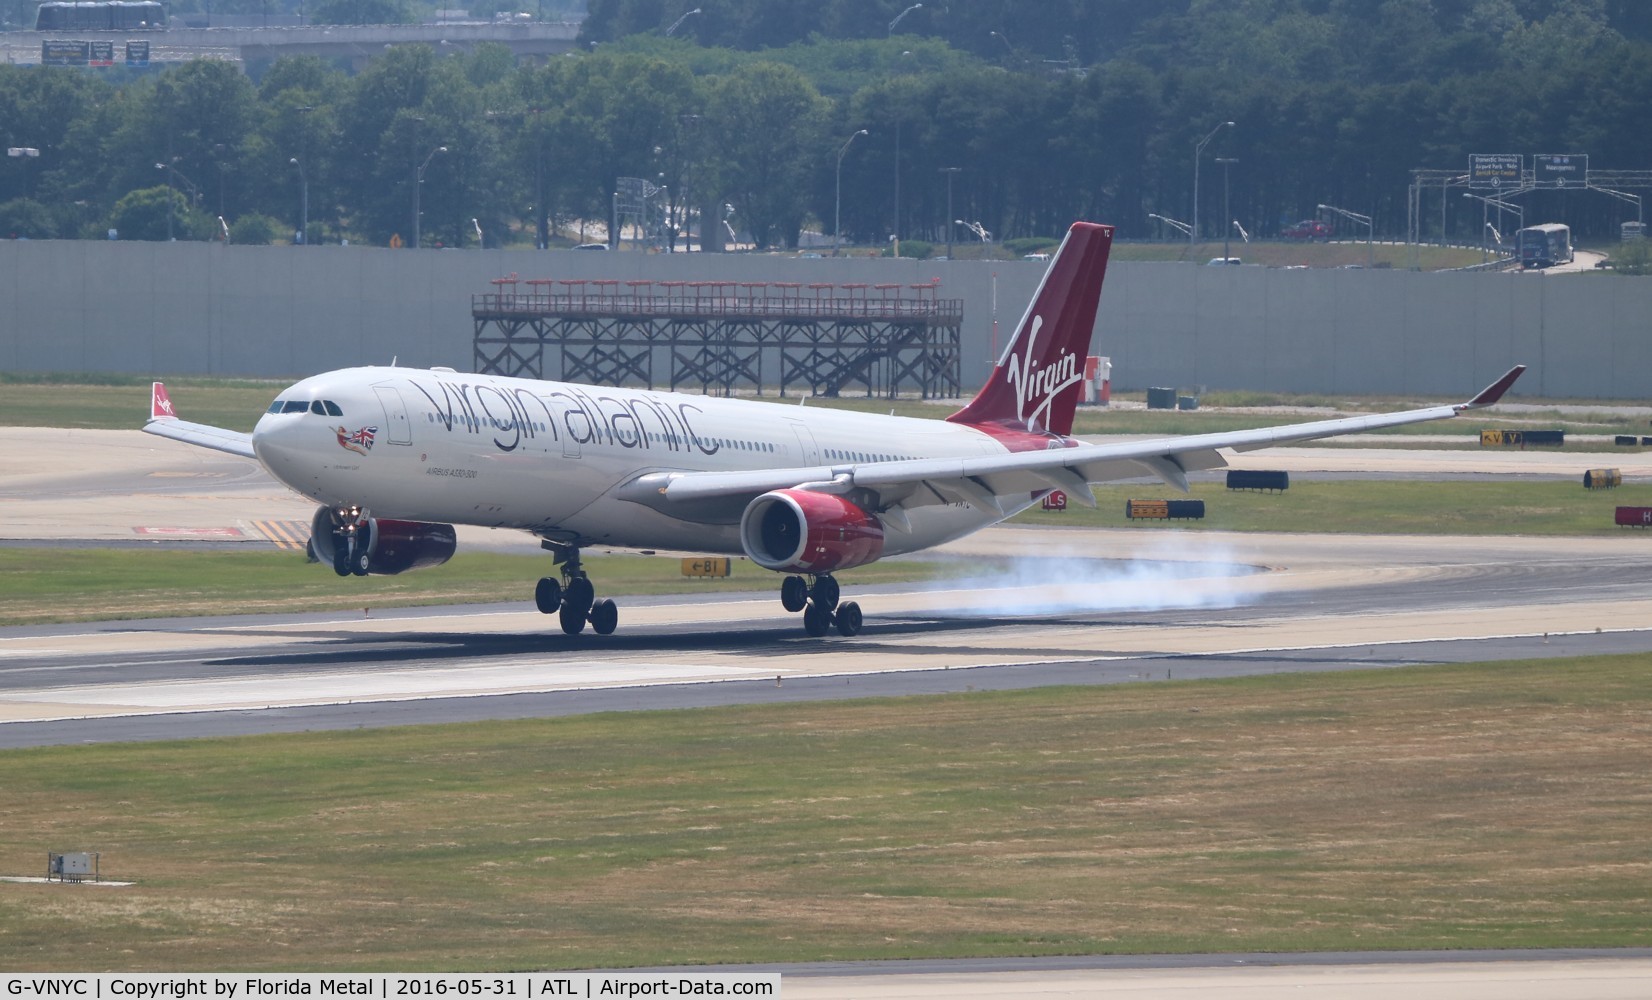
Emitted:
pixel 293 536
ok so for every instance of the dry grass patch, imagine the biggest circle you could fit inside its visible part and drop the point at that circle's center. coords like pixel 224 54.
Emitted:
pixel 1444 807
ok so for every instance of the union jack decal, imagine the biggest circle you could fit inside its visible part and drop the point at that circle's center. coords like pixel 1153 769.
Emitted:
pixel 360 441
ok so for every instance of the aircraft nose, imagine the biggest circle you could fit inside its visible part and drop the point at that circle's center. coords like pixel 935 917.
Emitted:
pixel 274 442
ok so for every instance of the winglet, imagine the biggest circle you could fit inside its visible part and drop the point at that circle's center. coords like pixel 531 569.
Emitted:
pixel 160 404
pixel 1492 393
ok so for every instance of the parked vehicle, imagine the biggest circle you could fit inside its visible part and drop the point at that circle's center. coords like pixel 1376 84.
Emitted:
pixel 1309 229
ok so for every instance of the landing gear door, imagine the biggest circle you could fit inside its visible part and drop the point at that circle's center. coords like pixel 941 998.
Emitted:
pixel 807 448
pixel 397 428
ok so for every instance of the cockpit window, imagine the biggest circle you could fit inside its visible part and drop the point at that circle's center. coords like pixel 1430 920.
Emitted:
pixel 317 409
pixel 332 408
pixel 276 406
pixel 295 406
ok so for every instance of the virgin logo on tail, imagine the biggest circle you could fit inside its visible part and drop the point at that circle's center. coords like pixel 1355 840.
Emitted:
pixel 160 404
pixel 1031 381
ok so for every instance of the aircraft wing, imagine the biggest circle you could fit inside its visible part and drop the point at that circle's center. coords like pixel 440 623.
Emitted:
pixel 164 423
pixel 980 480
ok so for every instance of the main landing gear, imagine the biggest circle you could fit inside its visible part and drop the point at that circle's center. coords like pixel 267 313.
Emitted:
pixel 819 603
pixel 573 600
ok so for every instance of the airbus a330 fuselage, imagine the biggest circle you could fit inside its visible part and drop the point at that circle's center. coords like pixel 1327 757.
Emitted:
pixel 555 458
pixel 397 456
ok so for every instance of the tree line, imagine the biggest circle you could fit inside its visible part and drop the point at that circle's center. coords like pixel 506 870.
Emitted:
pixel 751 115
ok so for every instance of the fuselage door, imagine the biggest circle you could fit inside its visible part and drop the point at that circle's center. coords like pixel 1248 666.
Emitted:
pixel 397 428
pixel 569 418
pixel 806 444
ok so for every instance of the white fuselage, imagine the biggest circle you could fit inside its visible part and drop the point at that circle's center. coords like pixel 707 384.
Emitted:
pixel 545 457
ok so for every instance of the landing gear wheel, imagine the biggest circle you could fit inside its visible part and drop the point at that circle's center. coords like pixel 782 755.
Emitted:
pixel 547 595
pixel 816 620
pixel 794 593
pixel 341 557
pixel 360 562
pixel 847 618
pixel 573 620
pixel 604 616
pixel 578 595
pixel 825 592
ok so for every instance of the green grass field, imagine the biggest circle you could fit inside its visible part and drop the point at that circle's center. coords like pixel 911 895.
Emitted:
pixel 1443 807
pixel 1377 507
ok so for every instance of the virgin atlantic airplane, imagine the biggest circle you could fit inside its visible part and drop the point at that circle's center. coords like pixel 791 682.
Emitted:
pixel 398 456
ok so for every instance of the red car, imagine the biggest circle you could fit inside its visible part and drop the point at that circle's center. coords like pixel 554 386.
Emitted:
pixel 1308 229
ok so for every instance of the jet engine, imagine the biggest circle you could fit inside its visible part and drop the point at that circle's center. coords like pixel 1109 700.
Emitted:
pixel 799 531
pixel 378 545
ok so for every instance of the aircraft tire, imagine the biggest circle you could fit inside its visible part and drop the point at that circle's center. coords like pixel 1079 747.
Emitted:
pixel 573 621
pixel 547 595
pixel 848 618
pixel 825 592
pixel 794 593
pixel 360 562
pixel 341 558
pixel 604 617
pixel 578 595
pixel 816 620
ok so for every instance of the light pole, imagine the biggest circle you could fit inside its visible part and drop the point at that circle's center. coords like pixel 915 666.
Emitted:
pixel 171 200
pixel 949 171
pixel 303 202
pixel 678 22
pixel 902 16
pixel 1175 224
pixel 1227 217
pixel 1198 150
pixel 418 182
pixel 897 112
pixel 1520 213
pixel 837 211
pixel 1370 230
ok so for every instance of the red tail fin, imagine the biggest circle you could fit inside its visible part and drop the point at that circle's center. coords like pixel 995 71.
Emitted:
pixel 1038 381
pixel 160 404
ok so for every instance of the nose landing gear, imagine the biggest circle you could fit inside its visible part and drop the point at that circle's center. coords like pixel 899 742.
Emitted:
pixel 819 603
pixel 351 552
pixel 574 600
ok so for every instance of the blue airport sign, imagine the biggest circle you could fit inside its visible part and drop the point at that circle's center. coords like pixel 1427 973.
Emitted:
pixel 1498 171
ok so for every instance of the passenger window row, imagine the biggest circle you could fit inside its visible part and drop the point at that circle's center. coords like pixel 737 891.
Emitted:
pixel 861 456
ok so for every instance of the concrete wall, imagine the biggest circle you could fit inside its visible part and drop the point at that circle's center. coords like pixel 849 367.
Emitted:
pixel 278 312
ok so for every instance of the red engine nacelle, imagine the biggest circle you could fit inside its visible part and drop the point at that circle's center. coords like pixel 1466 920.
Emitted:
pixel 797 531
pixel 392 546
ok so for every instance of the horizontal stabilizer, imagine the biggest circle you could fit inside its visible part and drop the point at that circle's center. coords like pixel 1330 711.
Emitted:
pixel 164 422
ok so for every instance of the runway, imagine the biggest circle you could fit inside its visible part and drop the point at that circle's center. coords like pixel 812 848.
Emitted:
pixel 1127 606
